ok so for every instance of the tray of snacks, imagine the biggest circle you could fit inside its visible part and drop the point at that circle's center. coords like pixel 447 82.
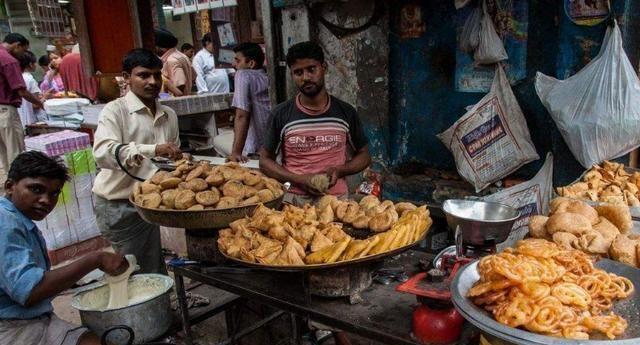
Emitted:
pixel 324 236
pixel 610 183
pixel 197 195
pixel 540 293
pixel 605 230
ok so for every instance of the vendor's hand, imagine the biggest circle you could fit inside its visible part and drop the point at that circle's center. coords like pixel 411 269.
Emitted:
pixel 237 157
pixel 305 182
pixel 112 264
pixel 334 174
pixel 169 150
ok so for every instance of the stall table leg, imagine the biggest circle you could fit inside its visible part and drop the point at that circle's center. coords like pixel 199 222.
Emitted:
pixel 184 309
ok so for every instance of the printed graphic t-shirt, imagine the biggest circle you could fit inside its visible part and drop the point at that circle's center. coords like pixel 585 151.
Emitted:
pixel 312 143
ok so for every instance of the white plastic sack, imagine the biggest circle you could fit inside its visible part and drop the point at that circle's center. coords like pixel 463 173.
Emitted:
pixel 598 109
pixel 470 35
pixel 491 140
pixel 490 48
pixel 530 198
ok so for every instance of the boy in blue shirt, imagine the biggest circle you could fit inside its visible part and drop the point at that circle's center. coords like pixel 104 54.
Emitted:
pixel 27 283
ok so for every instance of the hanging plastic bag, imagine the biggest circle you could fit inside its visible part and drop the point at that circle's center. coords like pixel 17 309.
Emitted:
pixel 530 198
pixel 470 35
pixel 491 140
pixel 490 48
pixel 597 110
pixel 461 3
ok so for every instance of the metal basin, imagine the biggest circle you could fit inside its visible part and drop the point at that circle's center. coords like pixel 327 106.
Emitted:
pixel 149 318
pixel 480 222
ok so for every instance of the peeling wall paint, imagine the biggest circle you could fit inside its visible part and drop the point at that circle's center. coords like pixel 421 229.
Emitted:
pixel 358 69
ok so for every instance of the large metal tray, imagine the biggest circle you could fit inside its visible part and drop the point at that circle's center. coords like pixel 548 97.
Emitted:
pixel 627 308
pixel 371 258
pixel 205 219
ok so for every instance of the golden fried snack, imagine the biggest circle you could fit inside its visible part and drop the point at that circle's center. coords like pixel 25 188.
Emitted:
pixel 565 240
pixel 197 185
pixel 606 229
pixel 150 200
pixel 251 178
pixel 159 176
pixel 561 295
pixel 265 195
pixel 195 173
pixel 185 199
pixel 320 182
pixel 326 215
pixel 632 199
pixel 319 242
pixel 325 201
pixel 148 188
pixel 227 202
pixel 537 226
pixel 233 188
pixel 346 209
pixel 170 182
pixel 250 201
pixel 403 207
pixel 249 191
pixel 208 197
pixel 354 248
pixel 215 178
pixel 196 207
pixel 620 216
pixel 381 221
pixel 562 205
pixel 568 222
pixel 361 221
pixel 290 254
pixel 169 197
pixel 623 249
pixel 369 201
pixel 329 254
pixel 593 242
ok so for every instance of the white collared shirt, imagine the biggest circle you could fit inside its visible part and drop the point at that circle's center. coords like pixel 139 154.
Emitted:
pixel 128 121
pixel 209 79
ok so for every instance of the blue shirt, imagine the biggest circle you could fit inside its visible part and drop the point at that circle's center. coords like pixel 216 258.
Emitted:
pixel 23 263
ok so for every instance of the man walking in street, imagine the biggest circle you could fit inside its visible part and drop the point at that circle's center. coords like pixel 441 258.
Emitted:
pixel 131 130
pixel 252 103
pixel 316 133
pixel 12 90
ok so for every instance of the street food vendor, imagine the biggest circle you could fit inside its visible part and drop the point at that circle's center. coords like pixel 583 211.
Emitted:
pixel 27 282
pixel 132 129
pixel 317 134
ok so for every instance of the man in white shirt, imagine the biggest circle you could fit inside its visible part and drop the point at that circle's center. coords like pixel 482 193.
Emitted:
pixel 131 130
pixel 209 79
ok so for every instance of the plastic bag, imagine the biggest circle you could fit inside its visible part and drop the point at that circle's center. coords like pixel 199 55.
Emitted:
pixel 461 3
pixel 490 48
pixel 597 110
pixel 470 35
pixel 491 140
pixel 530 198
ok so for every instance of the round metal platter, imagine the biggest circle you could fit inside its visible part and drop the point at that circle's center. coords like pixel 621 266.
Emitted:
pixel 204 219
pixel 324 266
pixel 627 308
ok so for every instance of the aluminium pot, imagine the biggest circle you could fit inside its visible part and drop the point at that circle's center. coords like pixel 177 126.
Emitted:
pixel 149 319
